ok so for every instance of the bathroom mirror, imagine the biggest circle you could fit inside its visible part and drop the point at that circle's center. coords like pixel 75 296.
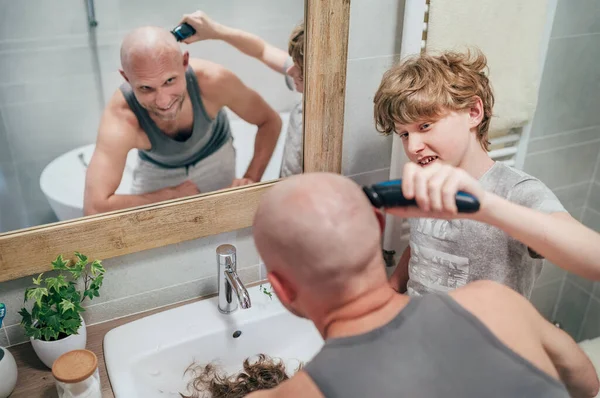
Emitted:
pixel 57 78
pixel 61 83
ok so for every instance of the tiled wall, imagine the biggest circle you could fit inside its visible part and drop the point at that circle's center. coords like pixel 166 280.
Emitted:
pixel 55 77
pixel 564 153
pixel 163 276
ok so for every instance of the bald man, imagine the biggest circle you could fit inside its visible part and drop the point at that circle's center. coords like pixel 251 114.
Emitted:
pixel 171 108
pixel 320 241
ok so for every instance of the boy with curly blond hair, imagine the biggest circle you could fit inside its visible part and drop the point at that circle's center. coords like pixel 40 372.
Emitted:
pixel 441 107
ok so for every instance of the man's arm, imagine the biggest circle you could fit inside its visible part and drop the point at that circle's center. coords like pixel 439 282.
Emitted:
pixel 226 89
pixel 399 278
pixel 248 43
pixel 530 335
pixel 116 137
pixel 574 367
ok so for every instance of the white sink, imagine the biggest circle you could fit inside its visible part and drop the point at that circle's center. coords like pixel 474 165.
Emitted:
pixel 148 357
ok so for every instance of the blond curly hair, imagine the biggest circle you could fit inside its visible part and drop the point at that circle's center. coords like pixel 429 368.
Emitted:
pixel 296 46
pixel 261 374
pixel 427 87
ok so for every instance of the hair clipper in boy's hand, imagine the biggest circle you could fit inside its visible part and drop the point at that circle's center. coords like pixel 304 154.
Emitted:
pixel 183 31
pixel 389 194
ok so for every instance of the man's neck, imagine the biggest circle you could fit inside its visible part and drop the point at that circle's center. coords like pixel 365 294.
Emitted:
pixel 476 161
pixel 369 311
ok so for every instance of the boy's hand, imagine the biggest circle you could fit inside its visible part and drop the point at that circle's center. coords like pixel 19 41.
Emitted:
pixel 206 28
pixel 434 188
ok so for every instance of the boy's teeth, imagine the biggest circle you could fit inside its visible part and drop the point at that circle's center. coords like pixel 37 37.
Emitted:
pixel 428 160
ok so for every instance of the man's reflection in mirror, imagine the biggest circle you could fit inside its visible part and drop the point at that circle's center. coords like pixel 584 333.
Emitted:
pixel 171 108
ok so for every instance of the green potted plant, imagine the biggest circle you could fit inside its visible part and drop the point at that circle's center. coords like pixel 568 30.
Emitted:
pixel 55 325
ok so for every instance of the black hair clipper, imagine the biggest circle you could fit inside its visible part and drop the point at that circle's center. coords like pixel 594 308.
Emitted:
pixel 389 194
pixel 183 31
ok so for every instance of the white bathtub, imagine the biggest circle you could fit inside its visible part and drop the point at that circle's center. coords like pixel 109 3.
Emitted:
pixel 63 179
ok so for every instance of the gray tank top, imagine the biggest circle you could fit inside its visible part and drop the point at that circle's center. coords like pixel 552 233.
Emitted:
pixel 208 135
pixel 432 348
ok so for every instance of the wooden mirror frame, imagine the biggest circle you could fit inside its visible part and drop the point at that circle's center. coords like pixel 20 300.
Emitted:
pixel 29 251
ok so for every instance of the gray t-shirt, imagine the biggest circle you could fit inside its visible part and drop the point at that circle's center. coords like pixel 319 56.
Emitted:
pixel 292 161
pixel 293 155
pixel 446 255
pixel 434 347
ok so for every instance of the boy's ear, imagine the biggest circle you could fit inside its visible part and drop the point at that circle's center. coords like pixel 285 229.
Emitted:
pixel 476 112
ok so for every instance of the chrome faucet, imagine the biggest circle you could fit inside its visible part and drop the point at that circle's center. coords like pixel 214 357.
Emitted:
pixel 229 281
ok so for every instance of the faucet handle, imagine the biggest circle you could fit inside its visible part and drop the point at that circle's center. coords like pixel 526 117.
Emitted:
pixel 226 256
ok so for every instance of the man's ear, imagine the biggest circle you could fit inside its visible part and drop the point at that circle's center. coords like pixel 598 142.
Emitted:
pixel 476 112
pixel 122 72
pixel 186 59
pixel 381 218
pixel 282 288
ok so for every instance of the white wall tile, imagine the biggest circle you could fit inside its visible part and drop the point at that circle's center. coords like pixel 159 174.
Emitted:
pixel 11 199
pixel 585 284
pixel 238 13
pixel 591 325
pixel 544 143
pixel 550 273
pixel 47 130
pixel 591 218
pixel 371 177
pixel 171 265
pixel 26 66
pixel 29 172
pixel 364 149
pixel 563 166
pixel 39 216
pixel 16 335
pixel 73 87
pixel 569 96
pixel 594 199
pixel 375 28
pixel 578 214
pixel 118 308
pixel 571 308
pixel 573 197
pixel 544 298
pixel 26 20
pixel 576 17
pixel 3 338
pixel 5 155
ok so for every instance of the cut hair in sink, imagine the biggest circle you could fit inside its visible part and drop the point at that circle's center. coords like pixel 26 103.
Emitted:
pixel 209 381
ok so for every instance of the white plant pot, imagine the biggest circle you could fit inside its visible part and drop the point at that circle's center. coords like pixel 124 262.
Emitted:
pixel 49 351
pixel 8 373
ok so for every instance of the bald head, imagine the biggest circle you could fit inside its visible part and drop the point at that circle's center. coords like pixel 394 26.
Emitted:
pixel 148 44
pixel 319 231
